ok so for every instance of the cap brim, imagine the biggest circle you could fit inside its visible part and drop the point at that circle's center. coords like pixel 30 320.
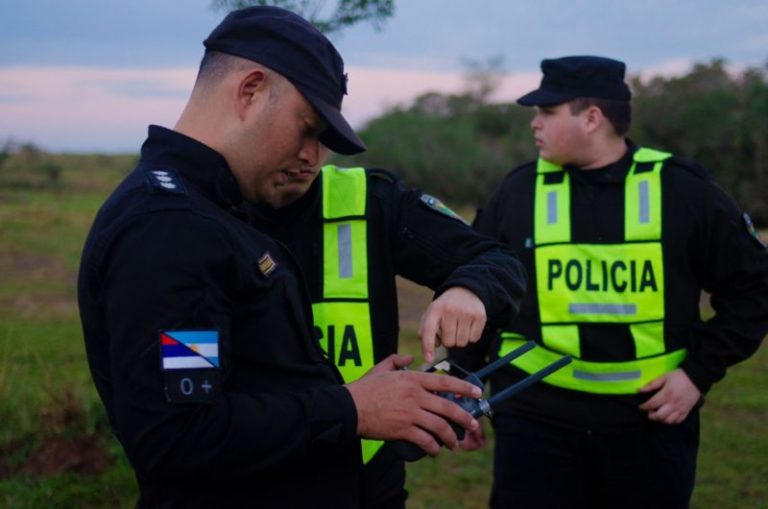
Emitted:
pixel 339 135
pixel 545 98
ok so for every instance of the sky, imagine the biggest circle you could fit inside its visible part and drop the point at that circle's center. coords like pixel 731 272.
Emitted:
pixel 89 76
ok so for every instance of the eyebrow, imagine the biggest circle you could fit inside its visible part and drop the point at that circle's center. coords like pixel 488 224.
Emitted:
pixel 315 120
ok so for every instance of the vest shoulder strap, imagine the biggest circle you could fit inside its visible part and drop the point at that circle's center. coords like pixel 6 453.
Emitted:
pixel 544 166
pixel 382 174
pixel 344 192
pixel 650 155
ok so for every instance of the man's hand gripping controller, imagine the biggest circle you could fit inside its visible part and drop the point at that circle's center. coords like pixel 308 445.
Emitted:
pixel 479 407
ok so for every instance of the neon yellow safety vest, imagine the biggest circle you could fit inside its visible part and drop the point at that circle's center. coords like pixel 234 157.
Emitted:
pixel 599 283
pixel 343 316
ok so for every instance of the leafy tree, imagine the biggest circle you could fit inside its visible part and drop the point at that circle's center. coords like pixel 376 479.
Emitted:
pixel 717 117
pixel 345 13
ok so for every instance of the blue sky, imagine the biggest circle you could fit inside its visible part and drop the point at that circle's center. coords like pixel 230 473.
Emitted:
pixel 87 75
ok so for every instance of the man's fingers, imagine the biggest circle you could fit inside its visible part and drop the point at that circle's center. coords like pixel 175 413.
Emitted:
pixel 439 428
pixel 476 331
pixel 449 410
pixel 654 402
pixel 463 333
pixel 428 334
pixel 422 439
pixel 442 383
pixel 660 413
pixel 473 440
pixel 448 331
pixel 455 319
pixel 669 413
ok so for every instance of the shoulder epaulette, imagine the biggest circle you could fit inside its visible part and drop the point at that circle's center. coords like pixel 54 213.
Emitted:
pixel 692 166
pixel 529 164
pixel 382 174
pixel 163 181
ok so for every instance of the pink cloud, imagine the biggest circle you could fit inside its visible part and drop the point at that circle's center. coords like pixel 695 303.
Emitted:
pixel 72 108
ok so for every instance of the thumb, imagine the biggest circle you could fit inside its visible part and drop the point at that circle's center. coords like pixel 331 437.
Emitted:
pixel 654 385
pixel 391 363
pixel 400 361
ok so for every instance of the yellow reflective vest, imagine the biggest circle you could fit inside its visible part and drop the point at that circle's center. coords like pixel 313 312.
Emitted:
pixel 343 316
pixel 619 283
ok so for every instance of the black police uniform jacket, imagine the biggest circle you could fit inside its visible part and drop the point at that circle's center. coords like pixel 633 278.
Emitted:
pixel 409 238
pixel 706 246
pixel 271 426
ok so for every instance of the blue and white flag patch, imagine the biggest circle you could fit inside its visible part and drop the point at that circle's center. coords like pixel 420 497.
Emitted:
pixel 752 231
pixel 438 206
pixel 190 349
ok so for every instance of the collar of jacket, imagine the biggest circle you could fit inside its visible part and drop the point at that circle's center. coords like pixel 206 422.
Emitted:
pixel 197 163
pixel 612 173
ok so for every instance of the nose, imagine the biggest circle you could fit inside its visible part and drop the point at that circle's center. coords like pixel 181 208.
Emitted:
pixel 536 121
pixel 310 151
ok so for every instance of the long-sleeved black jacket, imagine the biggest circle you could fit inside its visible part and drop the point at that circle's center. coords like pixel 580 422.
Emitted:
pixel 271 426
pixel 706 246
pixel 406 237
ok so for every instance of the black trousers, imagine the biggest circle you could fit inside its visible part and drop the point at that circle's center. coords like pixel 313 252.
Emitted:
pixel 538 465
pixel 384 481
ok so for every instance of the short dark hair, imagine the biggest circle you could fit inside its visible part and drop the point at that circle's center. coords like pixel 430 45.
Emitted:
pixel 215 66
pixel 618 113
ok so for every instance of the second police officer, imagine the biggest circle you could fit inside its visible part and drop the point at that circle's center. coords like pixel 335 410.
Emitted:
pixel 619 242
pixel 353 230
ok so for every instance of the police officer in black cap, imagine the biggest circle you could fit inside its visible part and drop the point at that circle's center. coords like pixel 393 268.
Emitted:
pixel 620 241
pixel 197 326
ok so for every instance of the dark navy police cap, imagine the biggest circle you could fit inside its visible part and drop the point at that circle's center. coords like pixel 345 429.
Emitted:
pixel 569 78
pixel 290 45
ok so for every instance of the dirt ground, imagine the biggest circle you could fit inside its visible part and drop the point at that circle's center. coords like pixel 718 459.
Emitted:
pixel 67 446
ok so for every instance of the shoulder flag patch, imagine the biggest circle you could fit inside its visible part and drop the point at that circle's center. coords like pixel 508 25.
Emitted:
pixel 438 206
pixel 751 230
pixel 190 349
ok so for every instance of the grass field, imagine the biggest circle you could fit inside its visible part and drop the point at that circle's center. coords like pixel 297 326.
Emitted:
pixel 55 447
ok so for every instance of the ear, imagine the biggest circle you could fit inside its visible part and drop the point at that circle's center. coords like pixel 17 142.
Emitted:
pixel 251 90
pixel 593 119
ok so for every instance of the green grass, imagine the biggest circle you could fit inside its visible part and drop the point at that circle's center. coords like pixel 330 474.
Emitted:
pixel 45 387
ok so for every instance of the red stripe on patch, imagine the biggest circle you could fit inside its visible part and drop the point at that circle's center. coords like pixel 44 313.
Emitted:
pixel 167 340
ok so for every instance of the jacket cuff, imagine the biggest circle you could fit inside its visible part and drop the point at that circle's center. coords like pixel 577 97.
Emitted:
pixel 333 420
pixel 698 375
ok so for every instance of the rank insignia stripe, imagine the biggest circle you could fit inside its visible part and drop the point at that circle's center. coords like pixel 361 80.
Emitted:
pixel 267 264
pixel 438 206
pixel 164 181
pixel 189 349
